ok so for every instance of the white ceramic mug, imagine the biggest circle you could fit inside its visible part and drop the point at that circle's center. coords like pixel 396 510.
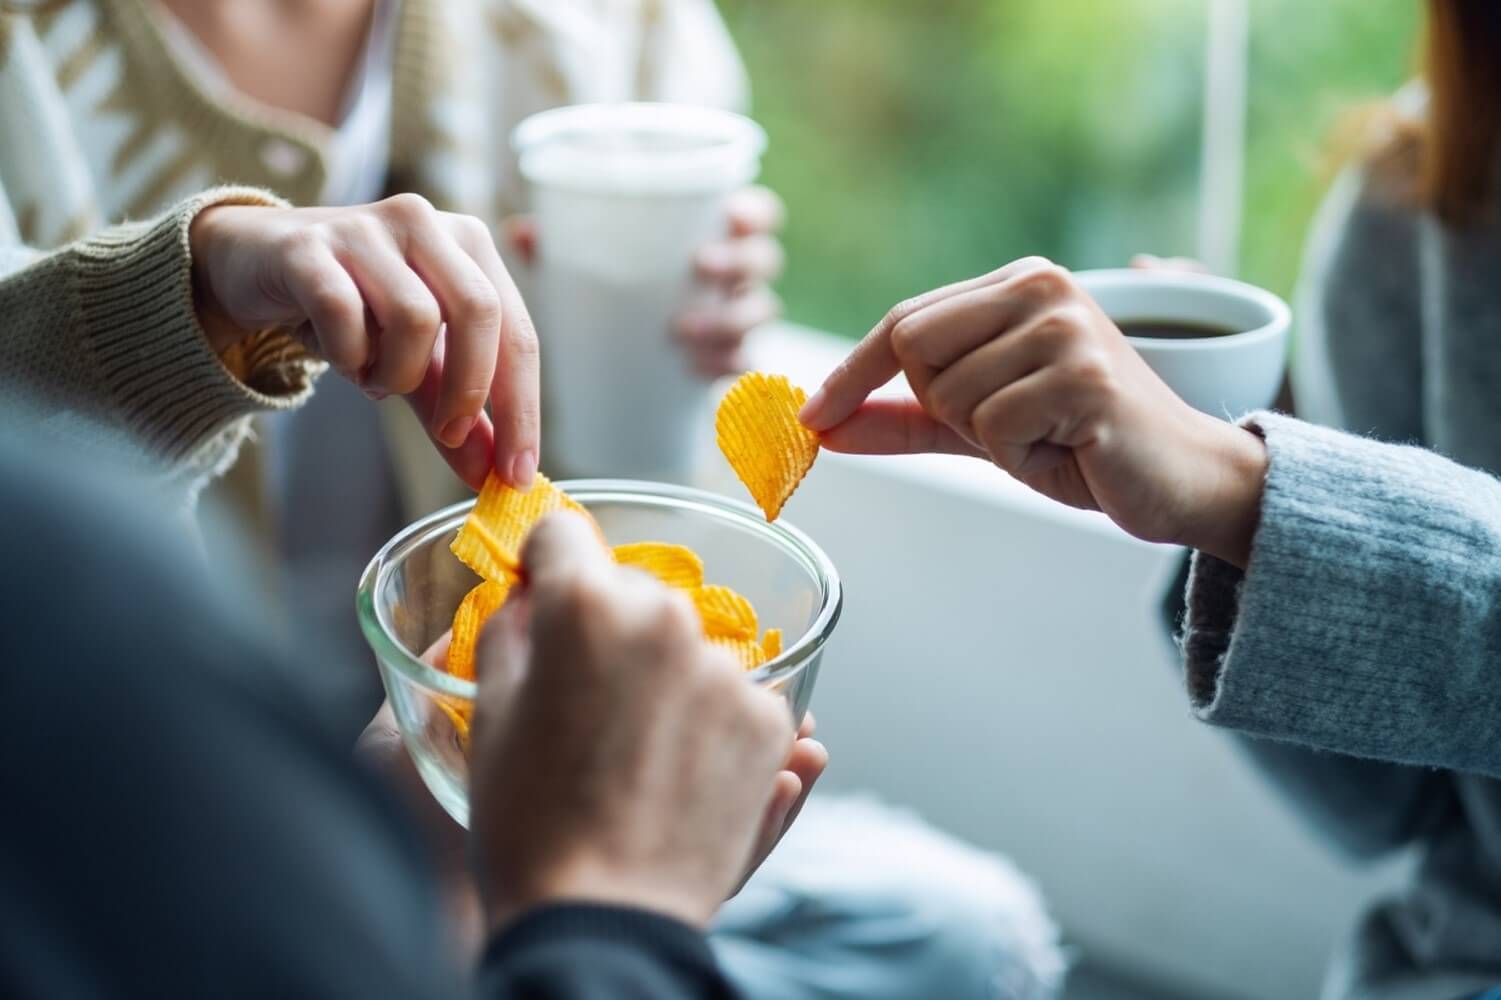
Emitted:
pixel 1226 375
pixel 623 196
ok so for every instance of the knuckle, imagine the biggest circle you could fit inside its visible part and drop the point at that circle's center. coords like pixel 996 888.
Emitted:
pixel 477 302
pixel 1090 369
pixel 407 207
pixel 471 229
pixel 415 314
pixel 906 339
pixel 1046 282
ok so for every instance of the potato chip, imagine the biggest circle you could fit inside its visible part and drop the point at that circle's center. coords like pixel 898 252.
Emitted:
pixel 771 643
pixel 474 610
pixel 675 565
pixel 759 433
pixel 459 716
pixel 747 651
pixel 490 540
pixel 726 614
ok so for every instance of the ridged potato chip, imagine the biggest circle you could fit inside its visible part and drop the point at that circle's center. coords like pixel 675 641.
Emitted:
pixel 726 614
pixel 675 565
pixel 490 540
pixel 747 651
pixel 759 433
pixel 459 716
pixel 771 643
pixel 474 610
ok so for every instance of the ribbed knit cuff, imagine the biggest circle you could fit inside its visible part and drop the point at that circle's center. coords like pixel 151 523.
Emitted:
pixel 170 389
pixel 1363 619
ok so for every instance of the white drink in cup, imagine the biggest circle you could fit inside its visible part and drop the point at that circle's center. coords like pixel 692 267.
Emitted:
pixel 1237 369
pixel 623 196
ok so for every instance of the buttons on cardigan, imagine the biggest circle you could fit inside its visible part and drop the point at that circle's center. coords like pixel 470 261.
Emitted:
pixel 283 158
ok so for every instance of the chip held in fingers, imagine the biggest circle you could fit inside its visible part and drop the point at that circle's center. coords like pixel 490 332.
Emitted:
pixel 490 540
pixel 474 610
pixel 490 543
pixel 761 437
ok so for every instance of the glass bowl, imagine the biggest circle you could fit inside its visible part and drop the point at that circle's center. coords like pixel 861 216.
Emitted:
pixel 408 594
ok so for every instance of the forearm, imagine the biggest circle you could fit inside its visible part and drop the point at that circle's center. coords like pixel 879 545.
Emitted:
pixel 1367 620
pixel 584 952
pixel 106 331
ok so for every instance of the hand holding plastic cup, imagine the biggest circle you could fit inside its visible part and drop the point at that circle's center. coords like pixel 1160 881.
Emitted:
pixel 623 195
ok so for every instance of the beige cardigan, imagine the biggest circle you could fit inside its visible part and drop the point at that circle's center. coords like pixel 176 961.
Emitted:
pixel 100 124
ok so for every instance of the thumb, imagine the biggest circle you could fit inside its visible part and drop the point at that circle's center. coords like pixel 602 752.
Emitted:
pixel 895 427
pixel 502 659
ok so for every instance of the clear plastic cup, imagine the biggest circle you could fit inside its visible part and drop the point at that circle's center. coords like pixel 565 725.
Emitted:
pixel 623 195
pixel 410 590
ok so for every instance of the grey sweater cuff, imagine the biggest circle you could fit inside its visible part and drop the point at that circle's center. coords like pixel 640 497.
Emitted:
pixel 166 386
pixel 1368 620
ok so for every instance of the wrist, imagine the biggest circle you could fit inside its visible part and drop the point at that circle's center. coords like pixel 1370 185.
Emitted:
pixel 589 884
pixel 219 329
pixel 1234 463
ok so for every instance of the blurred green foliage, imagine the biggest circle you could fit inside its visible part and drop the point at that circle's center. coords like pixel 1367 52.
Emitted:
pixel 918 142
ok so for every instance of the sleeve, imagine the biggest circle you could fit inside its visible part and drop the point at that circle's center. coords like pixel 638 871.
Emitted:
pixel 180 819
pixel 1357 354
pixel 1368 621
pixel 183 820
pixel 102 335
pixel 585 952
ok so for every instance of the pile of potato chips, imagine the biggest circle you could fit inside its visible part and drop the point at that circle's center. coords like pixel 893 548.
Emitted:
pixel 769 450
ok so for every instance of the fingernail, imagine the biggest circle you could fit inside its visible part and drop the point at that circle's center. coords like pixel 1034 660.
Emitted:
pixel 810 411
pixel 524 469
pixel 457 431
pixel 374 395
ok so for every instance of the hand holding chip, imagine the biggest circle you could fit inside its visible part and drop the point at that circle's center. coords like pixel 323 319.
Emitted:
pixel 399 298
pixel 617 756
pixel 1020 366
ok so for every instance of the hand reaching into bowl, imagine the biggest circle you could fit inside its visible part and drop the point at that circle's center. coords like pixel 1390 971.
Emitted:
pixel 735 273
pixel 400 299
pixel 1021 367
pixel 687 803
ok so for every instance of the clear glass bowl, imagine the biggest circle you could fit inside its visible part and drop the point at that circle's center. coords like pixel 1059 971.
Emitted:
pixel 408 594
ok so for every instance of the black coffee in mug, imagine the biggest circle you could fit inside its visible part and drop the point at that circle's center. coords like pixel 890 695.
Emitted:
pixel 1173 329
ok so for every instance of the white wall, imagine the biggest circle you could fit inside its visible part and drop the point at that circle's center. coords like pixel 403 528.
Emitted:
pixel 1001 669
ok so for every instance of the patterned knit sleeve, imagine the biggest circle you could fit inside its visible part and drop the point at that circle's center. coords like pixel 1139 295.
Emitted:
pixel 100 339
pixel 1368 621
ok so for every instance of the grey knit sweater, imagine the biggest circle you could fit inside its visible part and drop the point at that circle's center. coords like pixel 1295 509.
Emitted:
pixel 1362 645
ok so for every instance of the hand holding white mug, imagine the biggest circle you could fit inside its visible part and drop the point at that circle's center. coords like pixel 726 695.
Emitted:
pixel 1020 366
pixel 399 298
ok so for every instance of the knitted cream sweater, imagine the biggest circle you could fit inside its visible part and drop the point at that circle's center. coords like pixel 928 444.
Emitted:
pixel 100 124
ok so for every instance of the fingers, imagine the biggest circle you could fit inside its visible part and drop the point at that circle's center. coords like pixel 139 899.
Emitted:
pixel 896 427
pixel 1151 262
pixel 471 310
pixel 1025 426
pixel 470 461
pixel 755 209
pixel 333 305
pixel 952 395
pixel 407 314
pixel 874 361
pixel 515 388
pixel 736 263
pixel 560 549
